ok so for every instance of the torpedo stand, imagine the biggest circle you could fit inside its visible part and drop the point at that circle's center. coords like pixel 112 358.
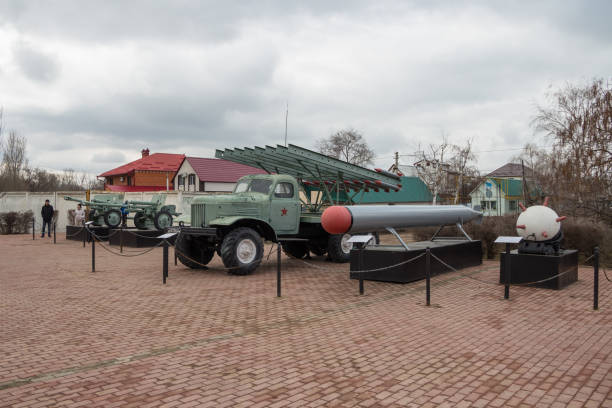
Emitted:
pixel 381 261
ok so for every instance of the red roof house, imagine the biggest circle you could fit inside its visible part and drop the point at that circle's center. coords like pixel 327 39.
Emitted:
pixel 149 173
pixel 215 175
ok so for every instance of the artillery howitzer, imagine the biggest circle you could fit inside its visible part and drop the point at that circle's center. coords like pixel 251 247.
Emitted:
pixel 109 210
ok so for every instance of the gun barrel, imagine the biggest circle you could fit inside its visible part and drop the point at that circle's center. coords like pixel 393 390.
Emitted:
pixel 142 203
pixel 368 218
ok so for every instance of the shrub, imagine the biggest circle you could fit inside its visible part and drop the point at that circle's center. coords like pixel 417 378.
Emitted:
pixel 13 222
pixel 579 233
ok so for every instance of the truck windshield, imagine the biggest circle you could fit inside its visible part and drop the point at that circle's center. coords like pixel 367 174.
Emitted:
pixel 257 186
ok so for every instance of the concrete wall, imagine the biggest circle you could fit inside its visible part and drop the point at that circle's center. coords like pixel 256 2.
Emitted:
pixel 23 201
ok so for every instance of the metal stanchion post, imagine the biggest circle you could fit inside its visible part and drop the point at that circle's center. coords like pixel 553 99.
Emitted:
pixel 507 274
pixel 428 276
pixel 93 251
pixel 33 225
pixel 361 287
pixel 278 270
pixel 84 236
pixel 175 256
pixel 54 228
pixel 121 239
pixel 165 262
pixel 596 278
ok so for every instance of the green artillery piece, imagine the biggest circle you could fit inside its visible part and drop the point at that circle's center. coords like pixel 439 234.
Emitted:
pixel 110 209
pixel 152 214
pixel 99 207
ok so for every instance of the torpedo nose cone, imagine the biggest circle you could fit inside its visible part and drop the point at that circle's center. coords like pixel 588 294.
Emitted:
pixel 336 220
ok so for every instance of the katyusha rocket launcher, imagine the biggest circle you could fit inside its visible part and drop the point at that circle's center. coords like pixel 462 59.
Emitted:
pixel 369 218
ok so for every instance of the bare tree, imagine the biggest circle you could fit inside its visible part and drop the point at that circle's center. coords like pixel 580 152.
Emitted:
pixel 14 161
pixel 347 145
pixel 432 168
pixel 462 163
pixel 579 122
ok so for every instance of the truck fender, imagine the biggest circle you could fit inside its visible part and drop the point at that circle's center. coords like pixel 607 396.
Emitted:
pixel 263 228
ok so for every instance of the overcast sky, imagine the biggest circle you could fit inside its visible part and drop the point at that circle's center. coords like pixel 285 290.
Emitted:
pixel 92 83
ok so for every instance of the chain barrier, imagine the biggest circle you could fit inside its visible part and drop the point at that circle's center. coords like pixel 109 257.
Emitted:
pixel 138 235
pixel 76 233
pixel 124 255
pixel 362 271
pixel 496 283
pixel 602 268
pixel 181 253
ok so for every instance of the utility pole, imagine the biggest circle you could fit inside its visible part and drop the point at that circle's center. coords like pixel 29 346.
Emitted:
pixel 286 117
pixel 397 161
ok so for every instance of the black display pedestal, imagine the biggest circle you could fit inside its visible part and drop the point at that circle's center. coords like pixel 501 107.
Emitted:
pixel 137 238
pixel 457 253
pixel 526 268
pixel 75 233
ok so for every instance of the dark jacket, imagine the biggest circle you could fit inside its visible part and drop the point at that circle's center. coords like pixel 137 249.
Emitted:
pixel 47 212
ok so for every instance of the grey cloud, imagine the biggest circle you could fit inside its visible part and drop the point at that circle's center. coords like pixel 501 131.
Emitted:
pixel 109 157
pixel 35 64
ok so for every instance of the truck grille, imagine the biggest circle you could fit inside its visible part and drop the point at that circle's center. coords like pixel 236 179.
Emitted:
pixel 198 215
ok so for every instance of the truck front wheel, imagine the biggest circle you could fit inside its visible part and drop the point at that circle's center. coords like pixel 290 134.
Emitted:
pixel 338 247
pixel 191 254
pixel 241 251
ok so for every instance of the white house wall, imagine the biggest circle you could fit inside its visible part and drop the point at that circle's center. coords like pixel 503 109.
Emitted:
pixel 210 186
pixel 185 170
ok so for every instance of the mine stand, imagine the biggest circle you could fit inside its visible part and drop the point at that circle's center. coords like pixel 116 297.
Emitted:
pixel 391 263
pixel 543 262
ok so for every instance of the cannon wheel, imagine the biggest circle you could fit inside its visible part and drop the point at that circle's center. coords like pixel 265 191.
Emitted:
pixel 242 251
pixel 338 248
pixel 162 220
pixel 112 218
pixel 297 250
pixel 191 254
pixel 139 220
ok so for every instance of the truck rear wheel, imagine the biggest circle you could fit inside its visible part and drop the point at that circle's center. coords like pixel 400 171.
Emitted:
pixel 338 247
pixel 191 254
pixel 241 251
pixel 297 250
pixel 317 247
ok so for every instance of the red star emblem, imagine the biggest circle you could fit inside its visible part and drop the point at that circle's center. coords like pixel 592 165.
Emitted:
pixel 283 212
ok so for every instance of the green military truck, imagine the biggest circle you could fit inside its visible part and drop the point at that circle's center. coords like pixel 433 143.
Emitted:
pixel 286 203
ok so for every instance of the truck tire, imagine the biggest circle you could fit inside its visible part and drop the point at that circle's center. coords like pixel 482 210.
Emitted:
pixel 191 254
pixel 318 248
pixel 297 250
pixel 338 249
pixel 241 251
pixel 112 218
pixel 162 220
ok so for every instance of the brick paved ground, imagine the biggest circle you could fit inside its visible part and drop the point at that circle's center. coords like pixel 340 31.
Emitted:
pixel 118 337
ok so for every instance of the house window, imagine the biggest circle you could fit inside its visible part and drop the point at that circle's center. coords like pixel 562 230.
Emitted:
pixel 129 181
pixel 493 205
pixel 512 205
pixel 483 205
pixel 192 180
pixel 110 181
pixel 181 180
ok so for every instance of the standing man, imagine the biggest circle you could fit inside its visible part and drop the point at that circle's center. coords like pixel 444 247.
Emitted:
pixel 79 215
pixel 47 216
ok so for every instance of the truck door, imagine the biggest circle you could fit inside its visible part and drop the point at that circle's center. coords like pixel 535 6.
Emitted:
pixel 285 208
